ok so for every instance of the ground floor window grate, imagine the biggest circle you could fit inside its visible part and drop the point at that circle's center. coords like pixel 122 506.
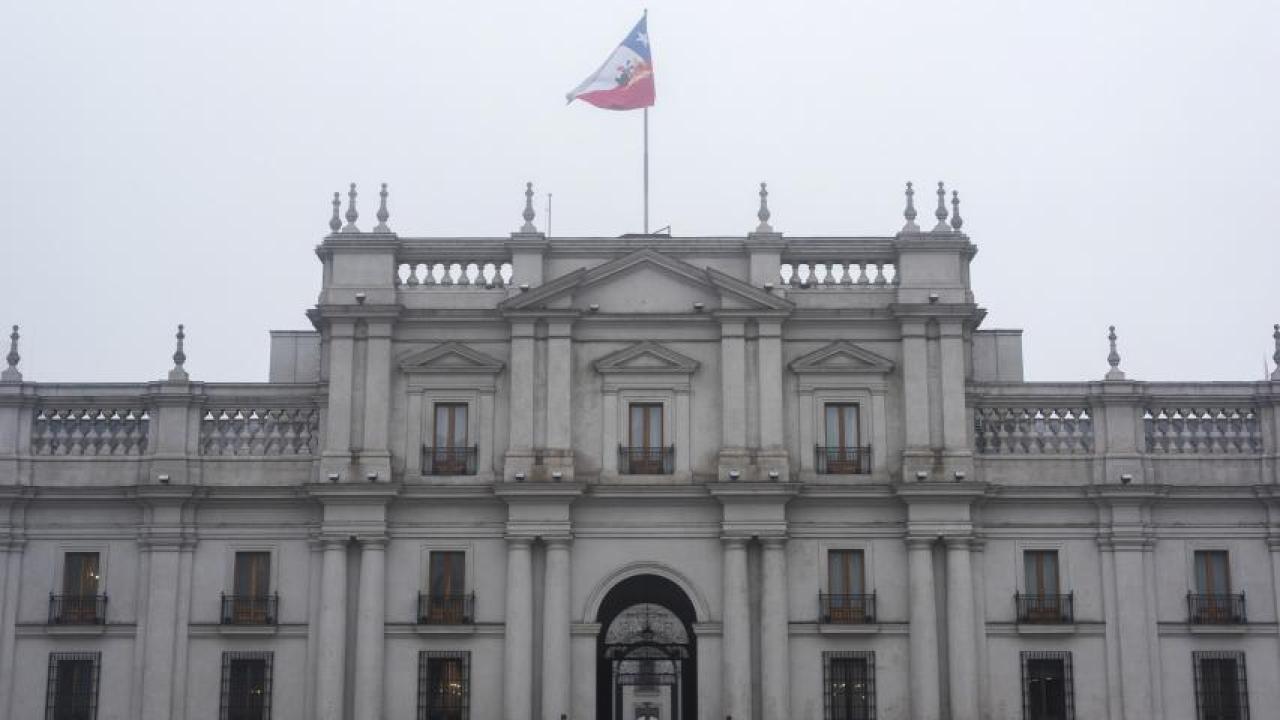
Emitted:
pixel 444 685
pixel 849 685
pixel 246 686
pixel 73 686
pixel 1048 691
pixel 1222 692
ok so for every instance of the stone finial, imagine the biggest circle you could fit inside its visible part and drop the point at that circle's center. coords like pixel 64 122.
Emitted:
pixel 11 374
pixel 957 222
pixel 178 374
pixel 941 212
pixel 910 212
pixel 352 215
pixel 335 222
pixel 528 214
pixel 1113 357
pixel 1275 374
pixel 383 215
pixel 763 213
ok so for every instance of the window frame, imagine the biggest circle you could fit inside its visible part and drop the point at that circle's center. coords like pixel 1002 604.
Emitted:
pixel 452 405
pixel 1057 571
pixel 230 656
pixel 1068 680
pixel 424 678
pixel 839 405
pixel 1196 555
pixel 1242 679
pixel 828 697
pixel 51 689
pixel 650 410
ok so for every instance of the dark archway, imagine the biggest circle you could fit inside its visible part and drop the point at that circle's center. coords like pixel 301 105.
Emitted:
pixel 641 590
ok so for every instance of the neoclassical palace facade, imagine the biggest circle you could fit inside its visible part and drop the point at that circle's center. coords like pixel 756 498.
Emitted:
pixel 640 478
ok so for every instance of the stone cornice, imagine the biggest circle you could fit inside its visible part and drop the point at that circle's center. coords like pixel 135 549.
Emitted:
pixel 934 491
pixel 347 493
pixel 538 492
pixel 743 490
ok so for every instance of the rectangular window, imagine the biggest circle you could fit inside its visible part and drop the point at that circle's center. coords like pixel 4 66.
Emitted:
pixel 1221 690
pixel 842 425
pixel 846 587
pixel 849 680
pixel 1213 575
pixel 446 602
pixel 251 602
pixel 444 685
pixel 842 455
pixel 451 425
pixel 646 425
pixel 1047 692
pixel 1041 568
pixel 80 585
pixel 246 686
pixel 451 454
pixel 72 692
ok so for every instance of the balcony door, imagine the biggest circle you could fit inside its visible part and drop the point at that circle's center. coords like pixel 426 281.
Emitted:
pixel 846 583
pixel 80 578
pixel 1041 568
pixel 446 587
pixel 1213 584
pixel 251 587
pixel 646 438
pixel 843 454
pixel 449 456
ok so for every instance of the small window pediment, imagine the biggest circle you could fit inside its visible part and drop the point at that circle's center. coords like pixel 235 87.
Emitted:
pixel 450 357
pixel 842 358
pixel 646 358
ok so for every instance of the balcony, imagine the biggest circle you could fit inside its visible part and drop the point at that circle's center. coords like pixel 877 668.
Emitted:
pixel 451 609
pixel 1045 609
pixel 77 609
pixel 1216 609
pixel 449 460
pixel 857 609
pixel 843 460
pixel 250 609
pixel 646 460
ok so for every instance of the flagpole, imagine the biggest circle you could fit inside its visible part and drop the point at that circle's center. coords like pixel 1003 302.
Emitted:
pixel 646 171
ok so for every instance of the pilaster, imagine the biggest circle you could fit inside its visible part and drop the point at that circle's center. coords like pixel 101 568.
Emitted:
pixel 775 651
pixel 923 642
pixel 733 396
pixel 375 450
pixel 557 660
pixel 736 673
pixel 370 627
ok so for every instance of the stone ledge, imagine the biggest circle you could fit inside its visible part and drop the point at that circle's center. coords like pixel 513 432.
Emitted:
pixel 45 630
pixel 220 630
pixel 414 629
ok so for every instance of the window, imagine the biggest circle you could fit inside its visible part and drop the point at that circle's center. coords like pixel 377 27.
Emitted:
pixel 849 680
pixel 1047 692
pixel 246 686
pixel 251 601
pixel 1213 601
pixel 842 455
pixel 451 454
pixel 645 453
pixel 1042 600
pixel 451 425
pixel 1221 690
pixel 1213 576
pixel 446 601
pixel 79 603
pixel 847 599
pixel 73 686
pixel 444 685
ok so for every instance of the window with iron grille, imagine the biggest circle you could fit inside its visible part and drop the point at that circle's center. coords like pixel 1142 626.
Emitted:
pixel 1222 692
pixel 849 685
pixel 246 686
pixel 1048 692
pixel 73 686
pixel 444 685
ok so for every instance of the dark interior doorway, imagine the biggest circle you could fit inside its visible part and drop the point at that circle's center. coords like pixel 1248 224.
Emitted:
pixel 651 644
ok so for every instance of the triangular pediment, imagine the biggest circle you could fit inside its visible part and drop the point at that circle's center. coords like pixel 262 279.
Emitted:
pixel 450 357
pixel 842 357
pixel 647 358
pixel 647 281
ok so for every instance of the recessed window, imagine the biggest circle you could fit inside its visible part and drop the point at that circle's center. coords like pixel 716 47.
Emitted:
pixel 246 686
pixel 72 692
pixel 1042 600
pixel 1047 691
pixel 251 601
pixel 849 681
pixel 646 452
pixel 451 452
pixel 842 454
pixel 847 599
pixel 1222 692
pixel 444 685
pixel 1213 602
pixel 446 601
pixel 81 601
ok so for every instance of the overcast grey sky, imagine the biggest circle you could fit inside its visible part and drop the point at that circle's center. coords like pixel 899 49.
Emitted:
pixel 168 162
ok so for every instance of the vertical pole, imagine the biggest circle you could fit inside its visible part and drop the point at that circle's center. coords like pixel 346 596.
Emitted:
pixel 646 171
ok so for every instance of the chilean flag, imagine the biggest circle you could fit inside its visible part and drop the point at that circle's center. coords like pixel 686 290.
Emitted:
pixel 625 80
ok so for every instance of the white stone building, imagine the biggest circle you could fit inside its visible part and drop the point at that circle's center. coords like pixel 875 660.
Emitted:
pixel 757 476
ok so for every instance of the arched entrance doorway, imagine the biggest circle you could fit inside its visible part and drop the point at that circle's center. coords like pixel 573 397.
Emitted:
pixel 646 653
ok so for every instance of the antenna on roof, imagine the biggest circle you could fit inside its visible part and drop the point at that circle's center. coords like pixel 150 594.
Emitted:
pixel 664 230
pixel 548 214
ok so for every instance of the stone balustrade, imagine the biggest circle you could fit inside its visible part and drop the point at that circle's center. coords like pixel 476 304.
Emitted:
pixel 256 431
pixel 1207 430
pixel 1033 430
pixel 809 274
pixel 453 273
pixel 90 431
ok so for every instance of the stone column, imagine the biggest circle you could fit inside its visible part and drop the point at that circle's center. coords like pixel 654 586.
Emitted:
pixel 775 632
pixel 331 662
pixel 962 652
pixel 556 658
pixel 736 676
pixel 517 665
pixel 159 628
pixel 923 649
pixel 370 629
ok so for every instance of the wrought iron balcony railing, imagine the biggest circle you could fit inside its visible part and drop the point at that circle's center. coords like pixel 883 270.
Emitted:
pixel 451 609
pixel 843 460
pixel 646 460
pixel 846 609
pixel 1216 609
pixel 250 609
pixel 77 609
pixel 1036 608
pixel 449 460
